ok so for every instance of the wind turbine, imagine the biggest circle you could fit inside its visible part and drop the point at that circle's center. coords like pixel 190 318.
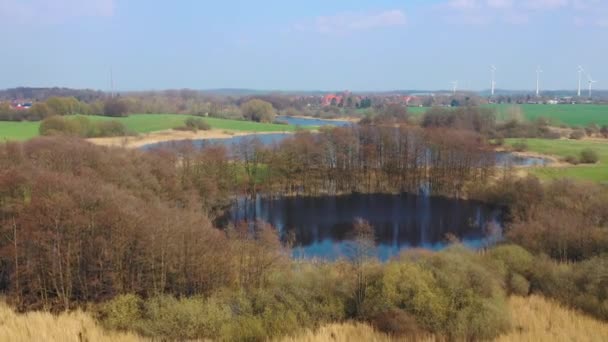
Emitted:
pixel 591 81
pixel 493 69
pixel 454 86
pixel 580 79
pixel 538 72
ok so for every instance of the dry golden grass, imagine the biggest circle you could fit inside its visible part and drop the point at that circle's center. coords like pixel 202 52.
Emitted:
pixel 534 319
pixel 538 319
pixel 345 332
pixel 43 326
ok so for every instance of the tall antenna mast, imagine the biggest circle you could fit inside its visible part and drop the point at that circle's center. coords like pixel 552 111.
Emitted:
pixel 538 72
pixel 493 68
pixel 580 79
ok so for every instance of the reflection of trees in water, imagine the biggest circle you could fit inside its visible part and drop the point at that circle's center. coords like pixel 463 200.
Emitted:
pixel 397 220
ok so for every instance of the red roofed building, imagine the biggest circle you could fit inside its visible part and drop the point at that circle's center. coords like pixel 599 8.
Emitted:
pixel 332 100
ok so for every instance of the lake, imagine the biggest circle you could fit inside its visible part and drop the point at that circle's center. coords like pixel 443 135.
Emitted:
pixel 323 225
pixel 300 121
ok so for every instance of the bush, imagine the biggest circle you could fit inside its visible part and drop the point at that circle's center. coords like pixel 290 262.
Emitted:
pixel 81 126
pixel 123 312
pixel 571 160
pixel 453 293
pixel 115 108
pixel 589 156
pixel 197 123
pixel 397 322
pixel 604 131
pixel 520 146
pixel 57 125
pixel 592 129
pixel 519 285
pixel 194 124
pixel 577 134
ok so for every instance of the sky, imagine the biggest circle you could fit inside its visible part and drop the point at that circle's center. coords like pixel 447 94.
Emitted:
pixel 352 45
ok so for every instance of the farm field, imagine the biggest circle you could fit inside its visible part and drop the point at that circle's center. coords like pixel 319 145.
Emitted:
pixel 579 115
pixel 144 123
pixel 18 131
pixel 563 148
pixel 571 115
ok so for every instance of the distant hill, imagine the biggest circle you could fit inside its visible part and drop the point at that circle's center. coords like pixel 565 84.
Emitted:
pixel 40 94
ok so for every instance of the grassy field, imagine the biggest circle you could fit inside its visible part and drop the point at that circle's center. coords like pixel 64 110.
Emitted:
pixel 563 148
pixel 571 115
pixel 18 130
pixel 580 114
pixel 143 123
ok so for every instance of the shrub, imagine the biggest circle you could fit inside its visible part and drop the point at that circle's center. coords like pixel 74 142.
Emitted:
pixel 397 322
pixel 589 156
pixel 519 285
pixel 520 146
pixel 82 127
pixel 197 123
pixel 123 312
pixel 577 134
pixel 57 125
pixel 194 124
pixel 116 108
pixel 592 129
pixel 453 293
pixel 571 160
pixel 604 131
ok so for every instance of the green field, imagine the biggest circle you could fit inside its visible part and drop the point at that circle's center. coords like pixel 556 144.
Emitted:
pixel 144 123
pixel 18 130
pixel 580 114
pixel 563 148
pixel 571 115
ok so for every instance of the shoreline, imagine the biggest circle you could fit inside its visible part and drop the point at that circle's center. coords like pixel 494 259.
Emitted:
pixel 344 119
pixel 171 135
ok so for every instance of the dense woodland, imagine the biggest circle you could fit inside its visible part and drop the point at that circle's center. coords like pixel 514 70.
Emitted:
pixel 133 232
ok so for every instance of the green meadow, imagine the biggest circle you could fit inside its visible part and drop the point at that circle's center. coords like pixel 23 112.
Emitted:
pixel 144 123
pixel 563 148
pixel 571 115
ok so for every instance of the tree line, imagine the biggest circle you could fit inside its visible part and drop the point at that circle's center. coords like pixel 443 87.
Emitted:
pixel 366 159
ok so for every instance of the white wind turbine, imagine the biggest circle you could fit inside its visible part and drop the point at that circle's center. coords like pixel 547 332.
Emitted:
pixel 591 81
pixel 454 87
pixel 493 69
pixel 538 72
pixel 580 79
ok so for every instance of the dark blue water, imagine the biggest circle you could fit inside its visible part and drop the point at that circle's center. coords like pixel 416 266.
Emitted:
pixel 311 121
pixel 323 225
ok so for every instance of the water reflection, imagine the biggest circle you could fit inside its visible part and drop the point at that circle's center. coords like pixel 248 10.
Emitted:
pixel 323 225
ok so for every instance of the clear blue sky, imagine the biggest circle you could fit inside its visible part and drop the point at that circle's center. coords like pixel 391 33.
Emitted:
pixel 301 45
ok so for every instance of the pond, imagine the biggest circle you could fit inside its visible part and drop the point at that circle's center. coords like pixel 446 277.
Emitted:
pixel 300 121
pixel 323 226
pixel 512 159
